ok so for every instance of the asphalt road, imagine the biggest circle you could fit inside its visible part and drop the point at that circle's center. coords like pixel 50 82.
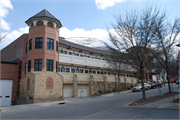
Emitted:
pixel 110 106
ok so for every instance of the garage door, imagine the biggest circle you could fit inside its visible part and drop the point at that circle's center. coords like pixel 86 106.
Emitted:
pixel 68 90
pixel 83 91
pixel 5 92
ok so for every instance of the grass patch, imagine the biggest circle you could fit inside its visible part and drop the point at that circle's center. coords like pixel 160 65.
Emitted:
pixel 153 99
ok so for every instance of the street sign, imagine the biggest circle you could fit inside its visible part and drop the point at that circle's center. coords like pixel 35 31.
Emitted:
pixel 171 79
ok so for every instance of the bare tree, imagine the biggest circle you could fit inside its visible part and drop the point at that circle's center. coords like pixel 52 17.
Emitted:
pixel 117 65
pixel 136 34
pixel 167 34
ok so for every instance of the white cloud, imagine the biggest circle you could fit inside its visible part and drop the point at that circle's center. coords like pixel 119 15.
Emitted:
pixel 103 4
pixel 4 25
pixel 5 5
pixel 10 37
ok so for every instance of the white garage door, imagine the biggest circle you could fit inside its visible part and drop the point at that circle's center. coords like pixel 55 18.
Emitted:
pixel 68 90
pixel 5 92
pixel 83 91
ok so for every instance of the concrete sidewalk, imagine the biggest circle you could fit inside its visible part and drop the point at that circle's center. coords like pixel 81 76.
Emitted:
pixel 164 103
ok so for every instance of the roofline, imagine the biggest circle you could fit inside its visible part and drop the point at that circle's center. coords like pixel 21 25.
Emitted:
pixel 96 50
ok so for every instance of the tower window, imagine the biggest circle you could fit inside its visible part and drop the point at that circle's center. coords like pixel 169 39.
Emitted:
pixel 30 44
pixel 50 24
pixel 50 43
pixel 37 64
pixel 49 65
pixel 38 44
pixel 57 46
pixel 29 65
pixel 39 23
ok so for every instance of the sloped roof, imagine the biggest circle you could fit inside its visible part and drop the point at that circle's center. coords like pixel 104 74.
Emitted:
pixel 44 13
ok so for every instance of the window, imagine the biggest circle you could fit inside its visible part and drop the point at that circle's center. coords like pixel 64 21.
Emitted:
pixel 57 46
pixel 25 68
pixel 56 66
pixel 105 73
pixel 90 71
pixel 37 64
pixel 77 70
pixel 132 75
pixel 59 69
pixel 88 56
pixel 29 65
pixel 84 55
pixel 50 43
pixel 49 65
pixel 62 69
pixel 61 51
pixel 77 54
pixel 38 44
pixel 81 71
pixel 98 72
pixel 81 55
pixel 94 72
pixel 101 72
pixel 67 69
pixel 49 83
pixel 26 48
pixel 50 24
pixel 30 44
pixel 99 58
pixel 103 59
pixel 109 73
pixel 70 53
pixel 39 23
pixel 72 70
pixel 86 71
pixel 65 52
pixel 73 54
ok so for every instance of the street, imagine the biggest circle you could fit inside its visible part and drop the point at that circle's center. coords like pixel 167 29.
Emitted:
pixel 109 106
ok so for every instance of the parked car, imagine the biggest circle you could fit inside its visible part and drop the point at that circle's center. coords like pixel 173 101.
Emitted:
pixel 138 87
pixel 155 84
pixel 177 82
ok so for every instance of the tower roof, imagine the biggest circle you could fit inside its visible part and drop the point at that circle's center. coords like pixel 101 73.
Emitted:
pixel 43 13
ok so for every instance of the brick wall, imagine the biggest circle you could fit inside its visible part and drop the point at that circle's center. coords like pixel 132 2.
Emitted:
pixel 11 71
pixel 14 50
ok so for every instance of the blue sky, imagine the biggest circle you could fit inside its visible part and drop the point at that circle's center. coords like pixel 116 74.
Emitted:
pixel 80 18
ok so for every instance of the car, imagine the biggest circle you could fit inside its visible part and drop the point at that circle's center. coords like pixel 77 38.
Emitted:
pixel 138 87
pixel 177 82
pixel 155 84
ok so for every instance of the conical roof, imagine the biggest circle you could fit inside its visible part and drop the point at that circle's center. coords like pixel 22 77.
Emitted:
pixel 44 13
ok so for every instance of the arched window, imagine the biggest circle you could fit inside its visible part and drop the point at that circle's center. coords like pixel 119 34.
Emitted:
pixel 49 83
pixel 50 24
pixel 39 23
pixel 28 84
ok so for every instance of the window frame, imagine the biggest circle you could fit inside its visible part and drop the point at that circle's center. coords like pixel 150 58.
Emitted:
pixel 30 44
pixel 39 43
pixel 38 63
pixel 27 48
pixel 29 65
pixel 48 65
pixel 50 44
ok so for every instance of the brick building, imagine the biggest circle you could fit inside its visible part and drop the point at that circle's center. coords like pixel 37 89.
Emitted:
pixel 52 67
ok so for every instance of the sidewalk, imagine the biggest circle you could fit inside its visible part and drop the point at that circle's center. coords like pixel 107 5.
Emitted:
pixel 164 103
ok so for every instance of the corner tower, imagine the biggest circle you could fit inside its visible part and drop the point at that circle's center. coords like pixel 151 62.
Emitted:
pixel 43 41
pixel 40 76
